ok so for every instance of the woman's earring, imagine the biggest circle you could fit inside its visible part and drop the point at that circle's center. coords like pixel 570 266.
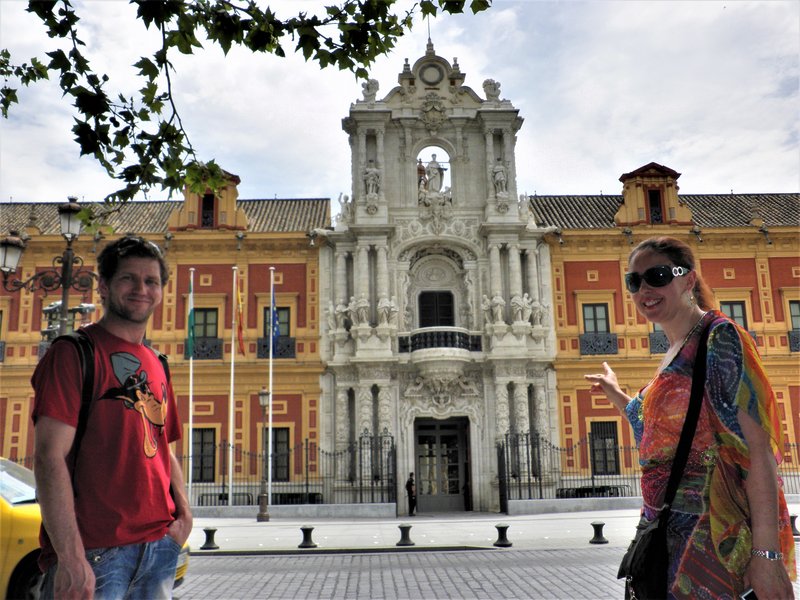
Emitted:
pixel 690 299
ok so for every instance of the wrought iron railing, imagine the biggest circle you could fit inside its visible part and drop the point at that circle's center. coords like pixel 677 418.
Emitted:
pixel 284 348
pixel 794 340
pixel 598 343
pixel 530 467
pixel 440 337
pixel 205 348
pixel 363 472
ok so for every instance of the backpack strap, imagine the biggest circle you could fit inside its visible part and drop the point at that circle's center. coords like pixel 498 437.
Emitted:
pixel 83 344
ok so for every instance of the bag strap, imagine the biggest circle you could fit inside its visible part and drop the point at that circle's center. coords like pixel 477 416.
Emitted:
pixel 690 424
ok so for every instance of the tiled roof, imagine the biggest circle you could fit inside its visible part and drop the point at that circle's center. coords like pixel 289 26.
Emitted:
pixel 708 210
pixel 279 215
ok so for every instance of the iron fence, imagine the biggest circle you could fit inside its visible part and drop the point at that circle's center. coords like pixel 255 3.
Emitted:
pixel 362 472
pixel 530 467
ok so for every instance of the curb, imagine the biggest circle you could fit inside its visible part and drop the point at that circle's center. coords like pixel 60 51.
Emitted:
pixel 301 551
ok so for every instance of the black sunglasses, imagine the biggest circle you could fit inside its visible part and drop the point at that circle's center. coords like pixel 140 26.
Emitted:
pixel 654 277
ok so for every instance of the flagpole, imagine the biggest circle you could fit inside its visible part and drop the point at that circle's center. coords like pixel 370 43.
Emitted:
pixel 272 312
pixel 230 400
pixel 190 323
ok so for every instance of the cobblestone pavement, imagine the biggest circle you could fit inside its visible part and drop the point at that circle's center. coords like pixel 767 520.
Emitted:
pixel 470 574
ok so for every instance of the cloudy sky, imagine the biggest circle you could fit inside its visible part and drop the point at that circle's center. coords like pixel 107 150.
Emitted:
pixel 707 88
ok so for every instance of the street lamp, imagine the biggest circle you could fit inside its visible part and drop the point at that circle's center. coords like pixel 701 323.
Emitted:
pixel 67 271
pixel 263 496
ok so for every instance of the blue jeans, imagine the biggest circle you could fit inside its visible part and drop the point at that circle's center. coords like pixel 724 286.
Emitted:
pixel 138 571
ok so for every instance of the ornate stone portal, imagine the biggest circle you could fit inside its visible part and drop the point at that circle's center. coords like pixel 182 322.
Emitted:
pixel 436 317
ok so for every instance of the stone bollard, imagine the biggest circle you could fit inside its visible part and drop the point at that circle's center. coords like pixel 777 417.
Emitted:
pixel 502 537
pixel 598 533
pixel 210 544
pixel 307 541
pixel 795 533
pixel 405 536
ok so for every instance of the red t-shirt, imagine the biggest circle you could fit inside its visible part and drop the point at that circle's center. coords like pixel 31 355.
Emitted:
pixel 122 471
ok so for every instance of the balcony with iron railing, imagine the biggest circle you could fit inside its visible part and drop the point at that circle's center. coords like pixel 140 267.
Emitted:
pixel 440 351
pixel 598 343
pixel 794 340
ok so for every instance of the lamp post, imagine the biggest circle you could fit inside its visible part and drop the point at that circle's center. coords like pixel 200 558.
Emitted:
pixel 263 496
pixel 67 271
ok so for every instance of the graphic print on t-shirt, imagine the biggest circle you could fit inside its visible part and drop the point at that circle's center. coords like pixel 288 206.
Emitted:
pixel 135 392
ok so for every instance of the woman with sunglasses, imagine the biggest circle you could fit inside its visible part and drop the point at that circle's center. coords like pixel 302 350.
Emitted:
pixel 729 527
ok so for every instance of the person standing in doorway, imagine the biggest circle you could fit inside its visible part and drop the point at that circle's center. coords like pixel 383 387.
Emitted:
pixel 411 491
pixel 114 510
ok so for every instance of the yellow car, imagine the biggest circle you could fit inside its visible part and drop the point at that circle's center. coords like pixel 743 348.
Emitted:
pixel 20 519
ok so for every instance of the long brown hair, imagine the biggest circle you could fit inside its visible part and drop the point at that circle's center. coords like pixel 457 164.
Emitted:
pixel 681 255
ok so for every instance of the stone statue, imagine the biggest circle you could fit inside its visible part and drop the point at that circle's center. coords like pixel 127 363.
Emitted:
pixel 517 307
pixel 486 305
pixel 331 314
pixel 372 179
pixel 498 304
pixel 384 310
pixel 370 89
pixel 492 90
pixel 345 209
pixel 352 311
pixel 362 310
pixel 434 173
pixel 527 307
pixel 341 314
pixel 538 313
pixel 499 177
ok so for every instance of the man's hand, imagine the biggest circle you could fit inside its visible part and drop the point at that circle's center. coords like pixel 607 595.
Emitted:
pixel 74 579
pixel 180 528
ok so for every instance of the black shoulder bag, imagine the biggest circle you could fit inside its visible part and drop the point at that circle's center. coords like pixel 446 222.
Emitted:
pixel 644 566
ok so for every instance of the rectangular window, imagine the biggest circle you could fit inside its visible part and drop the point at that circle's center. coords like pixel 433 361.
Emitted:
pixel 207 211
pixel 654 206
pixel 281 454
pixel 436 309
pixel 595 318
pixel 736 311
pixel 794 314
pixel 284 315
pixel 203 454
pixel 205 322
pixel 605 448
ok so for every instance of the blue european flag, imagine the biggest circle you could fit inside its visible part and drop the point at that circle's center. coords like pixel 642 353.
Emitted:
pixel 276 326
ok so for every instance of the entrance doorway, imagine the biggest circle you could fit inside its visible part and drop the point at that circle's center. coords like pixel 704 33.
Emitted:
pixel 442 465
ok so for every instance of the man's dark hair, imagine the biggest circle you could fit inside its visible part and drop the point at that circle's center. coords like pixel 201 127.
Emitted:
pixel 130 246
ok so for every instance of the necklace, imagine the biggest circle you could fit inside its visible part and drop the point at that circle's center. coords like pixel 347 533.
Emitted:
pixel 673 353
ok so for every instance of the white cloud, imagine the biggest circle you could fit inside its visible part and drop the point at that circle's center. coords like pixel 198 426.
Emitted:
pixel 710 89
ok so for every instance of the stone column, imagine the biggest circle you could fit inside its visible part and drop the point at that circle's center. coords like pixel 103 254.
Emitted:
pixel 501 409
pixel 533 273
pixel 521 418
pixel 383 273
pixel 511 167
pixel 384 409
pixel 361 274
pixel 362 163
pixel 365 426
pixel 540 406
pixel 489 137
pixel 514 270
pixel 380 165
pixel 342 430
pixel 341 277
pixel 495 274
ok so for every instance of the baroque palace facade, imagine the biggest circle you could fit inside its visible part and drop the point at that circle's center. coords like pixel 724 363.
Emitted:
pixel 441 310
